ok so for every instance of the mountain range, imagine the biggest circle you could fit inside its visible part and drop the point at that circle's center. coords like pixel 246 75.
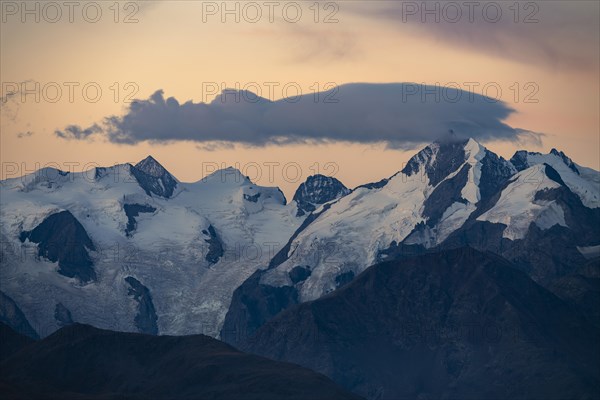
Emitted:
pixel 542 215
pixel 336 278
pixel 131 248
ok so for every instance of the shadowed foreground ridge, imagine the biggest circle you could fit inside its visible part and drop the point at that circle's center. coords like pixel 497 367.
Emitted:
pixel 455 324
pixel 80 361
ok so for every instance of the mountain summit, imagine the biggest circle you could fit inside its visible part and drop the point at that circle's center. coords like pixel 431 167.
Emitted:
pixel 316 190
pixel 583 181
pixel 152 167
pixel 154 178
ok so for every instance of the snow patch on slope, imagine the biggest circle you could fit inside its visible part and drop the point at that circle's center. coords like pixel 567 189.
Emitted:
pixel 586 183
pixel 474 153
pixel 517 207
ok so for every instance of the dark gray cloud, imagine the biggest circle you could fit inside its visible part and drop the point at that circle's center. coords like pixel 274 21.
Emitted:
pixel 401 115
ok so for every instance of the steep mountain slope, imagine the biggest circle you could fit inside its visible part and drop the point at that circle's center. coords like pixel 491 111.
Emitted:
pixel 80 361
pixel 537 222
pixel 582 289
pixel 450 324
pixel 439 188
pixel 437 191
pixel 77 238
pixel 452 193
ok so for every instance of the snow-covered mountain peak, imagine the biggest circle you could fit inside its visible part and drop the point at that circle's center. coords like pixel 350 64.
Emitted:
pixel 47 178
pixel 567 160
pixel 444 159
pixel 229 175
pixel 154 178
pixel 191 244
pixel 583 181
pixel 474 149
pixel 523 159
pixel 517 206
pixel 50 179
pixel 317 190
pixel 433 196
pixel 439 159
pixel 150 166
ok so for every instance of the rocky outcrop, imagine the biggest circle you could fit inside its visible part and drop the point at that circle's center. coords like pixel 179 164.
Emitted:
pixel 61 238
pixel 440 159
pixel 253 304
pixel 132 211
pixel 154 178
pixel 62 315
pixel 495 172
pixel 444 195
pixel 146 319
pixel 215 246
pixel 12 316
pixel 299 274
pixel 318 190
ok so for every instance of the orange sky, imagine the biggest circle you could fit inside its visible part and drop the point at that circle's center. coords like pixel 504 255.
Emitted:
pixel 172 48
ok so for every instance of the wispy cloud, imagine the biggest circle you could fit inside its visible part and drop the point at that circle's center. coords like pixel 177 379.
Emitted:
pixel 77 132
pixel 22 135
pixel 556 34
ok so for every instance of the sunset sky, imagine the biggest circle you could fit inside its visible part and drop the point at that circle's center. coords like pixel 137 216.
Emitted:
pixel 543 56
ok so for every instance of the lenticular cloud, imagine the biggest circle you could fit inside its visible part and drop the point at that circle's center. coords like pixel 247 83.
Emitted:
pixel 399 114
